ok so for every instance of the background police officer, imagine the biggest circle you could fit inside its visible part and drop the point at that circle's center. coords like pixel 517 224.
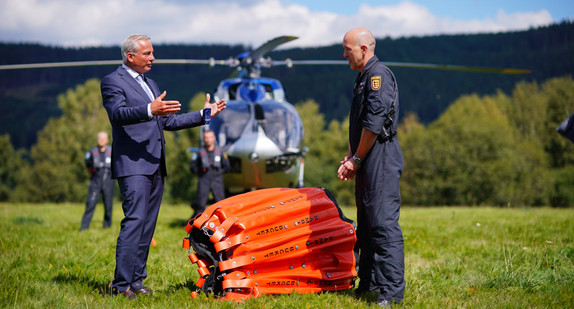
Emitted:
pixel 98 163
pixel 209 163
pixel 375 160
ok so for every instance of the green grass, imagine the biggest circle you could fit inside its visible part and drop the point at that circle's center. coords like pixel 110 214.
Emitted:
pixel 455 258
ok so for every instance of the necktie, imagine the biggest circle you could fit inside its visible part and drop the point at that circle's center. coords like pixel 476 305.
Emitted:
pixel 145 87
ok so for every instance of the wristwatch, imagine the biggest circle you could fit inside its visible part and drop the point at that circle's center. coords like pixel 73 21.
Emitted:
pixel 357 160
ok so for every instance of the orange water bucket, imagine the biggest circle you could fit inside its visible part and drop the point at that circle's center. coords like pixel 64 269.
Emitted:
pixel 272 241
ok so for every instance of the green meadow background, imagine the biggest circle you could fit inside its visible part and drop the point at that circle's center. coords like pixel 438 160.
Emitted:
pixel 456 257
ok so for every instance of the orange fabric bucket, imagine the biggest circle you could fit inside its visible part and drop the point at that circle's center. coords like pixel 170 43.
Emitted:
pixel 272 241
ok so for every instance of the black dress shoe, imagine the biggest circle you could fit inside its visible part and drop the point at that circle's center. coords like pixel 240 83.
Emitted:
pixel 144 291
pixel 129 294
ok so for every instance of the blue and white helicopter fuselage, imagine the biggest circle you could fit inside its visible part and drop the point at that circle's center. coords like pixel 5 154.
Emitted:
pixel 261 134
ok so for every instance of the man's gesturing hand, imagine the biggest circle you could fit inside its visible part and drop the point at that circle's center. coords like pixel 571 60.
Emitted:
pixel 160 107
pixel 215 107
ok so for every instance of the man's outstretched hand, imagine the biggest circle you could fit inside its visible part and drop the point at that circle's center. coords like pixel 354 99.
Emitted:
pixel 216 107
pixel 159 107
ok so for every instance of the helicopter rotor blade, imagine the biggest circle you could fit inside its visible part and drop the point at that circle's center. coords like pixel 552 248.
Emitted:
pixel 232 62
pixel 189 61
pixel 270 45
pixel 432 66
pixel 59 64
pixel 211 62
pixel 463 68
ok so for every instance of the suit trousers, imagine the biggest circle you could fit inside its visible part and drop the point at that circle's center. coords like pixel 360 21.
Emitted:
pixel 142 198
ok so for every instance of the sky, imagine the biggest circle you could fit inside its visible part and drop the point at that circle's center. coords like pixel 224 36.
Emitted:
pixel 253 22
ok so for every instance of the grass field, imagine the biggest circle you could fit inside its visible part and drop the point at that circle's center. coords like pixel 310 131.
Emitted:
pixel 455 258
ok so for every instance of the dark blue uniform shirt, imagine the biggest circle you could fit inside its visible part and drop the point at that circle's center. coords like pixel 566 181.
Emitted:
pixel 375 95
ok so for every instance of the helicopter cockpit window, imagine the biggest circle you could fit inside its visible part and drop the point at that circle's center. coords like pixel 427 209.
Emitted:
pixel 269 95
pixel 233 92
pixel 229 125
pixel 282 125
pixel 264 92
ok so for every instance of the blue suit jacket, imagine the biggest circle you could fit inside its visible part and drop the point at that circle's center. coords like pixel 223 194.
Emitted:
pixel 138 142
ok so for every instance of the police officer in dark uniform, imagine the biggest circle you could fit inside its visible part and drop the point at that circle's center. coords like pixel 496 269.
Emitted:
pixel 375 160
pixel 209 164
pixel 98 163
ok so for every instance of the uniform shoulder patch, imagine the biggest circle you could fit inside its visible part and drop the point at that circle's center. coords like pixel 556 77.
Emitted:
pixel 376 82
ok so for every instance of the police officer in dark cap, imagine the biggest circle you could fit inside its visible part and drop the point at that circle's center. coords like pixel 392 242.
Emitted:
pixel 375 161
pixel 98 163
pixel 209 163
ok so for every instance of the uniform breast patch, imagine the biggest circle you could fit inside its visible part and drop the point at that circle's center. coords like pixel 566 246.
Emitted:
pixel 376 82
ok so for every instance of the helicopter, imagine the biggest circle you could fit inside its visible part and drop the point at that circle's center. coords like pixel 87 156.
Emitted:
pixel 260 131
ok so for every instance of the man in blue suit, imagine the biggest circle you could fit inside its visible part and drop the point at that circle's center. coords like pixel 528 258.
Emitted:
pixel 139 115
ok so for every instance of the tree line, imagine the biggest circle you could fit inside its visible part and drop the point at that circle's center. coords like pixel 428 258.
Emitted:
pixel 31 95
pixel 497 149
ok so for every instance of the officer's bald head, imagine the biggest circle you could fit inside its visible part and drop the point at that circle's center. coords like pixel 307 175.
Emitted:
pixel 359 45
pixel 362 37
pixel 102 139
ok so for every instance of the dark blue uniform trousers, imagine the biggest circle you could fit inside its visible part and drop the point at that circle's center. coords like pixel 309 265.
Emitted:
pixel 142 199
pixel 381 264
pixel 105 186
pixel 210 181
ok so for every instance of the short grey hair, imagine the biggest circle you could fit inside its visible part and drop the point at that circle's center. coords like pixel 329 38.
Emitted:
pixel 130 44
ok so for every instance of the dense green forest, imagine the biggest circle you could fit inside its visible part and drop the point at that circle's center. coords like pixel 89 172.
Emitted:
pixel 30 96
pixel 498 149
